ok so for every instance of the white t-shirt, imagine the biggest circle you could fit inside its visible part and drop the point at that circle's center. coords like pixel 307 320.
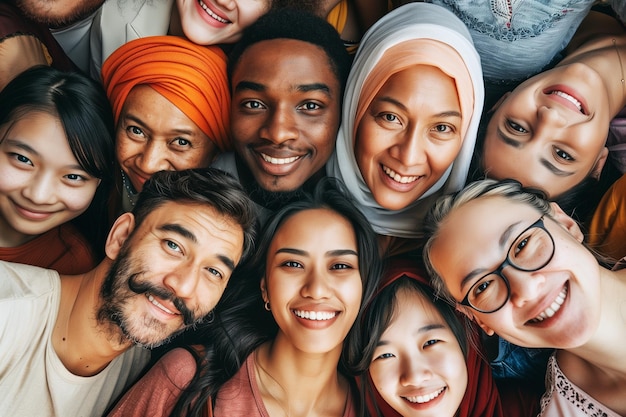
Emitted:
pixel 33 380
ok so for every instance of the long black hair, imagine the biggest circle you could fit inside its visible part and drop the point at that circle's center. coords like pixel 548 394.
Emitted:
pixel 241 324
pixel 82 108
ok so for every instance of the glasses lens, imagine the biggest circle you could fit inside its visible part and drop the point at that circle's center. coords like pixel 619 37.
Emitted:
pixel 489 293
pixel 532 250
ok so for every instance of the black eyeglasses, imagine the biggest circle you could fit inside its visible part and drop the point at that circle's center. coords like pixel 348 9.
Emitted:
pixel 530 251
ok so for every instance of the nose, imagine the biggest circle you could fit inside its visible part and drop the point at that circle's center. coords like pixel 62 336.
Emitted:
pixel 280 126
pixel 410 149
pixel 550 117
pixel 182 281
pixel 153 158
pixel 316 286
pixel 525 286
pixel 42 189
pixel 414 372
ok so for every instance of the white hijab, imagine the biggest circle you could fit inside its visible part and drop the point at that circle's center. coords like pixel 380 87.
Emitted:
pixel 409 22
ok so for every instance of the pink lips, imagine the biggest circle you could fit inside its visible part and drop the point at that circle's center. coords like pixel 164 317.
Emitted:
pixel 35 215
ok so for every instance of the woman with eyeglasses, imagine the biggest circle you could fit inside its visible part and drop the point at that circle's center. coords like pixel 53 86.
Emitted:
pixel 516 264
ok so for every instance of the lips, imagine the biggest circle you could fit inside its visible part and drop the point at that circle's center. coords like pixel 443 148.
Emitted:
pixel 554 307
pixel 30 214
pixel 160 306
pixel 568 97
pixel 315 315
pixel 213 13
pixel 425 398
pixel 402 179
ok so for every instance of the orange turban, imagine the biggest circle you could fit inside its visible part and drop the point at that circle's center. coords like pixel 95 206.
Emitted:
pixel 190 76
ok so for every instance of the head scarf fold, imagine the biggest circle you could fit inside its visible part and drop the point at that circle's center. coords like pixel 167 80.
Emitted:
pixel 190 76
pixel 414 34
pixel 481 395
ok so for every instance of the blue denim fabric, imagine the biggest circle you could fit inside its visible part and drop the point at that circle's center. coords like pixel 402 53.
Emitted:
pixel 517 39
pixel 520 363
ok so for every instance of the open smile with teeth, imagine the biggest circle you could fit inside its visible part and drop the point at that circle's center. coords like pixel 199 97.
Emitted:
pixel 554 307
pixel 315 315
pixel 569 98
pixel 399 178
pixel 159 305
pixel 421 399
pixel 210 13
pixel 279 161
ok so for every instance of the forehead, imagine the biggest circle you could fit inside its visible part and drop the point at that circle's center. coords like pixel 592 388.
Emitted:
pixel 208 226
pixel 302 61
pixel 317 229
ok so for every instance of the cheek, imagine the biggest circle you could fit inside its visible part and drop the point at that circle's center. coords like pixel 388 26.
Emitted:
pixel 441 157
pixel 385 377
pixel 125 148
pixel 77 200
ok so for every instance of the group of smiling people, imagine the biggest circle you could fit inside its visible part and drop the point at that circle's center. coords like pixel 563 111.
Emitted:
pixel 413 258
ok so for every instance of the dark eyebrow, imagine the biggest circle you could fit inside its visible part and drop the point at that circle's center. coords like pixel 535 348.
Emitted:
pixel 504 237
pixel 180 230
pixel 508 140
pixel 556 171
pixel 187 234
pixel 249 85
pixel 423 329
pixel 336 252
pixel 395 102
pixel 315 87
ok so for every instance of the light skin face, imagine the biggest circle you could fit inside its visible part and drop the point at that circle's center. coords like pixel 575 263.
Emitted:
pixel 211 22
pixel 285 111
pixel 42 185
pixel 153 135
pixel 178 260
pixel 474 239
pixel 418 366
pixel 312 280
pixel 550 132
pixel 58 13
pixel 409 135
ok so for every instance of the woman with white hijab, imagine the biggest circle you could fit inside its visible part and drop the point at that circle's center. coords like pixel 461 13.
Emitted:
pixel 411 111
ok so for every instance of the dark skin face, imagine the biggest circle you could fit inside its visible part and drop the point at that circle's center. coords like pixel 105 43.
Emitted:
pixel 285 112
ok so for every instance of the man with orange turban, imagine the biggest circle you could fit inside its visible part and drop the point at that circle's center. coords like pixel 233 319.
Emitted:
pixel 171 104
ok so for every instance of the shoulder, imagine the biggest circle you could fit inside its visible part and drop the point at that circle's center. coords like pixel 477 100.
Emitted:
pixel 20 280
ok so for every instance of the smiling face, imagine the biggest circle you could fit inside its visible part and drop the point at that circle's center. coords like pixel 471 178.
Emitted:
pixel 171 271
pixel 554 306
pixel 312 280
pixel 409 135
pixel 285 111
pixel 153 135
pixel 418 366
pixel 42 185
pixel 550 132
pixel 211 22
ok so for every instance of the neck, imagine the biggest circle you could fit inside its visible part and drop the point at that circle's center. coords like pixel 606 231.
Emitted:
pixel 84 345
pixel 296 383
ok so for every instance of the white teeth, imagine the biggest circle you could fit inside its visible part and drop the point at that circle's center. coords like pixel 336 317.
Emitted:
pixel 425 398
pixel 397 177
pixel 279 161
pixel 554 307
pixel 210 13
pixel 569 98
pixel 315 315
pixel 156 303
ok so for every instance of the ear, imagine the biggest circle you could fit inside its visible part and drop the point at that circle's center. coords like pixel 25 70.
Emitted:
pixel 599 165
pixel 567 222
pixel 118 234
pixel 500 101
pixel 264 290
pixel 483 326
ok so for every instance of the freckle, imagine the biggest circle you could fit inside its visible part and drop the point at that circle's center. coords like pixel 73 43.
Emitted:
pixel 64 339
